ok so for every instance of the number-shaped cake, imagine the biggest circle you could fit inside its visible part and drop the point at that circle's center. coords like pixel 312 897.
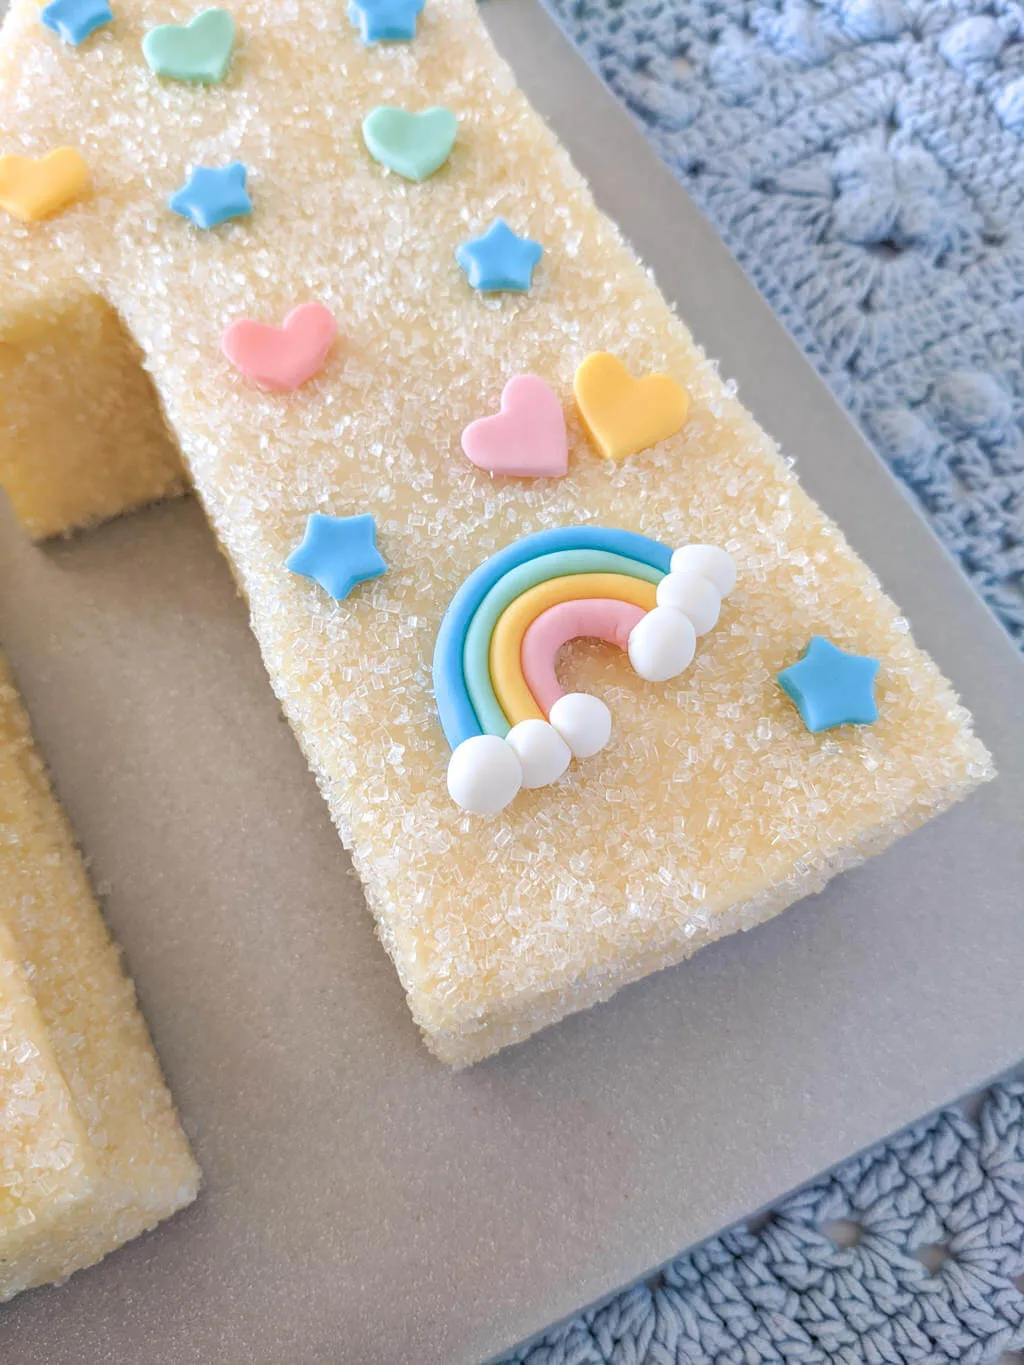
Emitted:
pixel 324 264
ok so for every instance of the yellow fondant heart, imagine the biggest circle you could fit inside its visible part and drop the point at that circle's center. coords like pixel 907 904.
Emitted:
pixel 624 415
pixel 31 189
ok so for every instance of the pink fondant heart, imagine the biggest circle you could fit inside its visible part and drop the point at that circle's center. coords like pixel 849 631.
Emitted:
pixel 526 438
pixel 281 357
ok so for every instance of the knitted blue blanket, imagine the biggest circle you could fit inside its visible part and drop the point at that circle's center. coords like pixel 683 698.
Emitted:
pixel 910 1255
pixel 864 160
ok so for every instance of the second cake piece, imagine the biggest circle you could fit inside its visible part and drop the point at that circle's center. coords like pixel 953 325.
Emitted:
pixel 91 1152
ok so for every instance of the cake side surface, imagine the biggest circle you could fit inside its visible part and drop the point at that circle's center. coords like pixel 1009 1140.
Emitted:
pixel 712 795
pixel 83 437
pixel 135 1164
pixel 46 1162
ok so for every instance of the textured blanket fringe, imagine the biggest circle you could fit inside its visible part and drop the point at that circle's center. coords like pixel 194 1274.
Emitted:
pixel 910 1255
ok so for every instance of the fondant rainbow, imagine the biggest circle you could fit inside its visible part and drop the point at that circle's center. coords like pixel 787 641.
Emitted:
pixel 502 709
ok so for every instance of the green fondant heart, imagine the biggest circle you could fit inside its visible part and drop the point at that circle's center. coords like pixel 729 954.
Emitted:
pixel 197 51
pixel 414 145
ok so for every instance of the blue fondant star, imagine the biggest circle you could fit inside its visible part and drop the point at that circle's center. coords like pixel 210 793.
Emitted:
pixel 499 259
pixel 385 21
pixel 338 553
pixel 830 687
pixel 211 196
pixel 74 20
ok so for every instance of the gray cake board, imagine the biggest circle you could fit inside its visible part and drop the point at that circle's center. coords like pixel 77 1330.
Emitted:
pixel 361 1202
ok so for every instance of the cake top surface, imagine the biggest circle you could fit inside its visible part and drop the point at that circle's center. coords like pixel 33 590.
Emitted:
pixel 713 788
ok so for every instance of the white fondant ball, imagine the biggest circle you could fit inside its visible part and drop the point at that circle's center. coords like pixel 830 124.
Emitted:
pixel 692 594
pixel 542 752
pixel 709 560
pixel 662 644
pixel 583 721
pixel 484 774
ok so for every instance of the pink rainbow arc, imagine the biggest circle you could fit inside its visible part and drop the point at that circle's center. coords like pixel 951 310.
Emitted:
pixel 597 618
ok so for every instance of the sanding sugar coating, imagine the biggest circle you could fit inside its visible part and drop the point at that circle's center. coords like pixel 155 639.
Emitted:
pixel 91 1153
pixel 497 927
